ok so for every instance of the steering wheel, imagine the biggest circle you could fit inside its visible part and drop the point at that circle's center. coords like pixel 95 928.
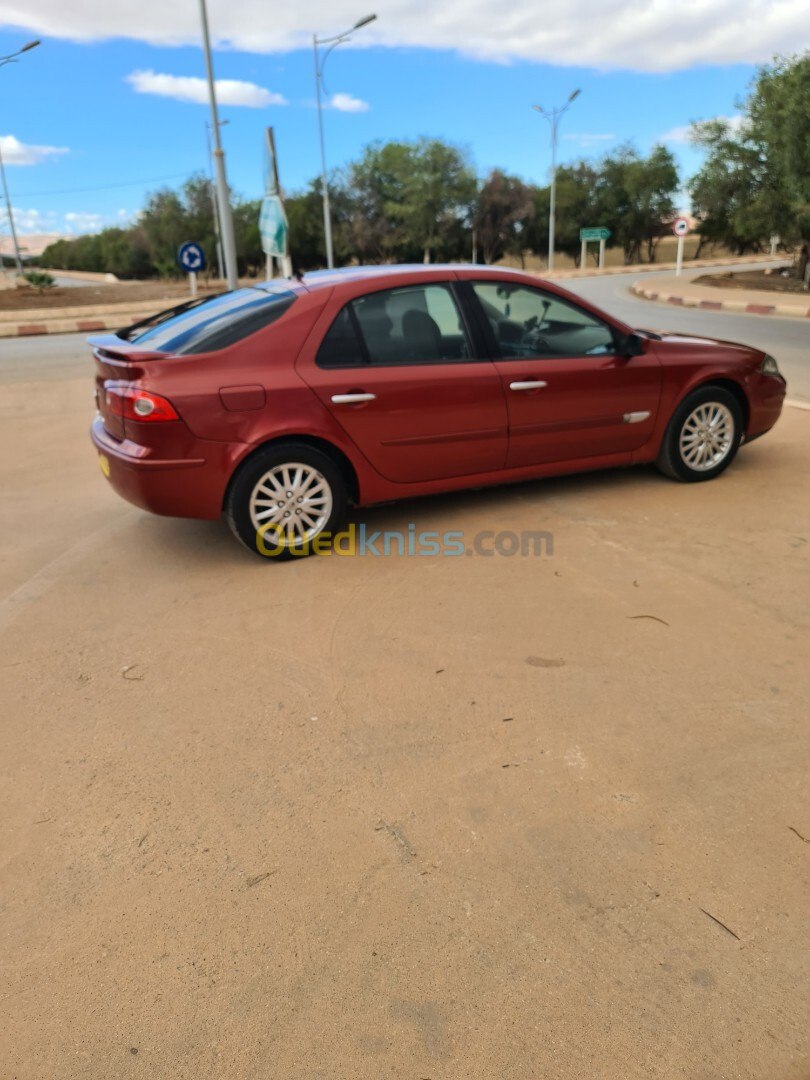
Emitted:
pixel 535 343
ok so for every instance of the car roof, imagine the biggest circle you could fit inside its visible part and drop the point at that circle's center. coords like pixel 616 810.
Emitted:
pixel 318 279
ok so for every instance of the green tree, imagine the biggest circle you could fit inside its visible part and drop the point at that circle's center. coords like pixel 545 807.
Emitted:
pixel 378 191
pixel 440 190
pixel 635 197
pixel 575 209
pixel 305 219
pixel 164 228
pixel 755 181
pixel 730 193
pixel 408 200
pixel 249 254
pixel 502 211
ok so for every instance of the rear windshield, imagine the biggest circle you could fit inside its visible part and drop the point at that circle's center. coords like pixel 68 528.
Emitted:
pixel 212 322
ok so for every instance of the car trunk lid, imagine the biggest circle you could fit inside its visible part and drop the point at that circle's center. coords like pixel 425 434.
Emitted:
pixel 117 361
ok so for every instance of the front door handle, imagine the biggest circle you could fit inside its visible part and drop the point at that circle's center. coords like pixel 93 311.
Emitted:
pixel 350 399
pixel 534 384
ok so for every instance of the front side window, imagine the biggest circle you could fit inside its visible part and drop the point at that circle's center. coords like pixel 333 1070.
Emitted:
pixel 416 324
pixel 527 322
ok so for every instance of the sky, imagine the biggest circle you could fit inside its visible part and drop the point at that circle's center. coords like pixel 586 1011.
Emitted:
pixel 112 105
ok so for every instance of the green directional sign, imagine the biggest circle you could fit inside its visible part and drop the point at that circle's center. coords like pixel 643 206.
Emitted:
pixel 599 233
pixel 273 226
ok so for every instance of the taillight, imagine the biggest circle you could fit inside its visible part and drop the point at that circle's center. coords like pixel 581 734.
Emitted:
pixel 132 404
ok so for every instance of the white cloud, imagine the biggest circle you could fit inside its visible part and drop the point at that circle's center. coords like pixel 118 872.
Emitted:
pixel 677 134
pixel 190 88
pixel 655 35
pixel 683 134
pixel 347 103
pixel 81 222
pixel 28 221
pixel 49 224
pixel 585 140
pixel 17 153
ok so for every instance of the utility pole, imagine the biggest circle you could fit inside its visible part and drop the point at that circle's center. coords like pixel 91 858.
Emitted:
pixel 214 207
pixel 223 197
pixel 10 212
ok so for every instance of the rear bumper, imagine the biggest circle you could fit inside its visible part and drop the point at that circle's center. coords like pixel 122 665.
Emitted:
pixel 190 487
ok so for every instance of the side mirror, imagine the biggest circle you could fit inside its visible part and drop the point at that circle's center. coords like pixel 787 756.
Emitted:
pixel 631 345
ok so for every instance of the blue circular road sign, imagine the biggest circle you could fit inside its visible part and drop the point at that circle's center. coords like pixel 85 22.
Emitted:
pixel 191 258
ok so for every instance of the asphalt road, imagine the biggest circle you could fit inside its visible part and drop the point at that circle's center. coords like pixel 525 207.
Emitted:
pixel 788 340
pixel 534 816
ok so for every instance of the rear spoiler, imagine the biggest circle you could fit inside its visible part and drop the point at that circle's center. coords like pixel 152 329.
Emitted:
pixel 112 350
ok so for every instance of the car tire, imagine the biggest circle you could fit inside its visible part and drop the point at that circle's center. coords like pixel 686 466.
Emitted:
pixel 702 437
pixel 283 498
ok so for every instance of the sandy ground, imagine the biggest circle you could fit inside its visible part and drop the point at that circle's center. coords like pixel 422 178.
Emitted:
pixel 402 817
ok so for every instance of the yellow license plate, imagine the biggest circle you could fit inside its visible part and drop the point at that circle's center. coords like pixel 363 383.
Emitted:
pixel 104 464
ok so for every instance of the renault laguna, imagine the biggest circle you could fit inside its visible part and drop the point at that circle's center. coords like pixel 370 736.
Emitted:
pixel 282 404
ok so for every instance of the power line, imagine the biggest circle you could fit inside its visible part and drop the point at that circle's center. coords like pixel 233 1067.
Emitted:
pixel 103 187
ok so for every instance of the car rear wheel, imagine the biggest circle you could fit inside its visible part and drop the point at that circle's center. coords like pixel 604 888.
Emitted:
pixel 285 498
pixel 703 436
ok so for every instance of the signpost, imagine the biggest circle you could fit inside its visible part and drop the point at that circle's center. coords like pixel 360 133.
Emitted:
pixel 273 226
pixel 191 258
pixel 600 233
pixel 680 227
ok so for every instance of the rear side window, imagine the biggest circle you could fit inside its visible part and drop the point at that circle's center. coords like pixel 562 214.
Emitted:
pixel 213 322
pixel 415 324
pixel 341 346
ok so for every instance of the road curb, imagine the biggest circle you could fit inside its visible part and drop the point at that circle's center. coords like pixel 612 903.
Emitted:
pixel 791 311
pixel 69 326
pixel 653 268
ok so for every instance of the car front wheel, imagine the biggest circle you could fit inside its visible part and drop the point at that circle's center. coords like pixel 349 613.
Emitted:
pixel 287 500
pixel 703 436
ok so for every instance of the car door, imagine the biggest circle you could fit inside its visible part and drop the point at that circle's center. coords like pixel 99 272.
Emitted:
pixel 570 394
pixel 395 368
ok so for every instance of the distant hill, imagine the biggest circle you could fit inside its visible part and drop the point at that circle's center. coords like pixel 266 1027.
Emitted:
pixel 31 244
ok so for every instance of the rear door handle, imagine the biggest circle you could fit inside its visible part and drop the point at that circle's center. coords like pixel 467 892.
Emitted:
pixel 534 384
pixel 350 399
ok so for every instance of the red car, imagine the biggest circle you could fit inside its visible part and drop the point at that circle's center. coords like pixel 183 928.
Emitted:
pixel 282 404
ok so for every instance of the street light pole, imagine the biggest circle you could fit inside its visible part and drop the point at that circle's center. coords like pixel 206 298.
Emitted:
pixel 327 215
pixel 12 59
pixel 332 42
pixel 223 198
pixel 553 118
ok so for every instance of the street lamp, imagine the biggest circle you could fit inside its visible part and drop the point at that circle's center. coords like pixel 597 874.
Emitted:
pixel 553 116
pixel 12 59
pixel 223 198
pixel 214 207
pixel 332 42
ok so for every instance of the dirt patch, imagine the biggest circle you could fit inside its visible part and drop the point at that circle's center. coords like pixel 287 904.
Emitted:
pixel 754 279
pixel 91 296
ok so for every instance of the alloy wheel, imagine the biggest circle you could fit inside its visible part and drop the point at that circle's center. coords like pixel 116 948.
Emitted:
pixel 291 503
pixel 707 436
